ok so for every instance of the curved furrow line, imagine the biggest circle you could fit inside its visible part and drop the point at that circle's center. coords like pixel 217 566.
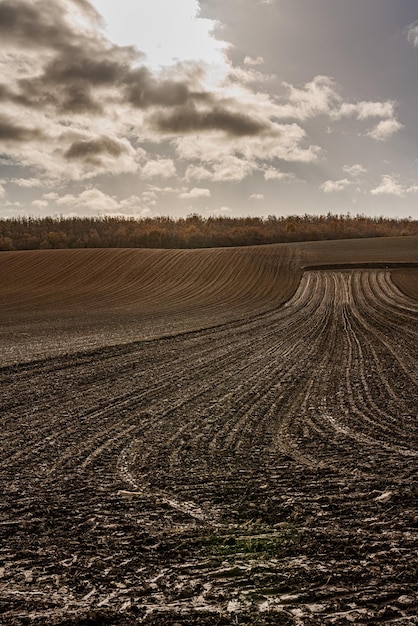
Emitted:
pixel 127 459
pixel 178 420
pixel 361 400
pixel 297 363
pixel 116 278
pixel 220 465
pixel 84 424
pixel 303 290
pixel 89 428
pixel 335 366
pixel 394 295
pixel 242 414
pixel 396 395
pixel 400 302
pixel 378 328
pixel 169 441
pixel 106 356
pixel 356 393
pixel 289 442
pixel 290 436
pixel 403 328
pixel 215 340
pixel 308 423
pixel 122 403
pixel 355 396
pixel 365 397
pixel 245 333
pixel 279 374
pixel 378 395
pixel 374 302
pixel 156 407
pixel 109 444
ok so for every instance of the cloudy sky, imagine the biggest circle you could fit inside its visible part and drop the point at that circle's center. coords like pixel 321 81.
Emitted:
pixel 225 107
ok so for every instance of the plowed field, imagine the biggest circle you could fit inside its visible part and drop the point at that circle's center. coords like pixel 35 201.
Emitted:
pixel 210 437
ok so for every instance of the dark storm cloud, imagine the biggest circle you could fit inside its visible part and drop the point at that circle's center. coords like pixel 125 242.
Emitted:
pixel 90 150
pixel 81 58
pixel 69 80
pixel 85 62
pixel 72 77
pixel 79 99
pixel 5 93
pixel 20 97
pixel 143 90
pixel 69 83
pixel 66 97
pixel 188 119
pixel 30 25
pixel 13 132
pixel 77 66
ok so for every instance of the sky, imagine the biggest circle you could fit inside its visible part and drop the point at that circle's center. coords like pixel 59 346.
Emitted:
pixel 141 108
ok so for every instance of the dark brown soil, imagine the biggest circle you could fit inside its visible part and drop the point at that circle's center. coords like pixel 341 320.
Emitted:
pixel 258 471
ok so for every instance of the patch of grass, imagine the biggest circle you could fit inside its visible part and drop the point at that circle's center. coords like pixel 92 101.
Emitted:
pixel 266 545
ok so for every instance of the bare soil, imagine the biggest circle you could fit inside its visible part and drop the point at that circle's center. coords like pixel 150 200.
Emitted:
pixel 240 453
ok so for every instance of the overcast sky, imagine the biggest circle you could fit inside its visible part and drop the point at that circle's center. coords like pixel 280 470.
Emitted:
pixel 225 107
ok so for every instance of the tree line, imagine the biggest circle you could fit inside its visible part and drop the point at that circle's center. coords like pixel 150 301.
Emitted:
pixel 194 231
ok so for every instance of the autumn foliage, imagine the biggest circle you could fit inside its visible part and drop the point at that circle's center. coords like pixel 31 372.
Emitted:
pixel 193 231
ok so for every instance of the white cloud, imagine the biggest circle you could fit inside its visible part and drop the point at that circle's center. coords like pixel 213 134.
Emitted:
pixel 272 174
pixel 391 185
pixel 412 33
pixel 223 210
pixel 96 118
pixel 197 172
pixel 164 168
pixel 257 196
pixel 282 141
pixel 364 110
pixel 196 192
pixel 286 141
pixel 330 186
pixel 354 170
pixel 27 182
pixel 92 201
pixel 166 190
pixel 384 129
pixel 233 169
pixel 150 197
pixel 317 97
pixel 66 150
pixel 133 206
pixel 2 191
pixel 229 168
pixel 321 97
pixel 253 60
pixel 247 76
pixel 50 196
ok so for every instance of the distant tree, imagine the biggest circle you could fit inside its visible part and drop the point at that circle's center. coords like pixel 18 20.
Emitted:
pixel 194 231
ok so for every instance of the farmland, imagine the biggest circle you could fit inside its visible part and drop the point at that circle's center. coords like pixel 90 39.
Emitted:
pixel 213 436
